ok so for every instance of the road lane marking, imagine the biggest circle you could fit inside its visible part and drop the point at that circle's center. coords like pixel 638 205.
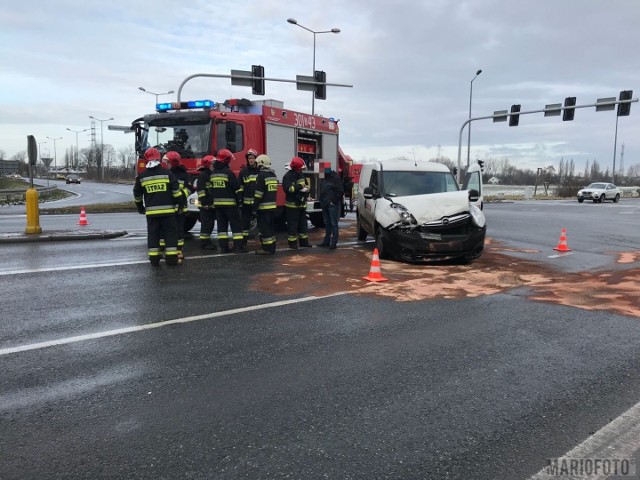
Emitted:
pixel 618 439
pixel 139 328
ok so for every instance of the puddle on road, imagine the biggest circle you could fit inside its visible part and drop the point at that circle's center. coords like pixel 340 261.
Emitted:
pixel 322 272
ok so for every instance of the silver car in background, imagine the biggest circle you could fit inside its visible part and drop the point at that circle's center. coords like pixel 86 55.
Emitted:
pixel 599 192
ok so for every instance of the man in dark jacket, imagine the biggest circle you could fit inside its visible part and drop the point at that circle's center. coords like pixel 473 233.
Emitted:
pixel 207 211
pixel 225 191
pixel 157 194
pixel 331 197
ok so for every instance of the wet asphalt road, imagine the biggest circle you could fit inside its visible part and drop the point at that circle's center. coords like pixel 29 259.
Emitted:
pixel 347 386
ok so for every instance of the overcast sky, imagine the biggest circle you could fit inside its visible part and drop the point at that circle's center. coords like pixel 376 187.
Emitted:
pixel 410 63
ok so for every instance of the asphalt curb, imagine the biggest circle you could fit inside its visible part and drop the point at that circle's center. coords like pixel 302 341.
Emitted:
pixel 60 236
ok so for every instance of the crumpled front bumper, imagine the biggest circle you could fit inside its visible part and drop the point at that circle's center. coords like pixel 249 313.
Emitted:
pixel 418 246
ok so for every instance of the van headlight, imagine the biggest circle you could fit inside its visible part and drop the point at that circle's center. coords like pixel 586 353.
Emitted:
pixel 405 217
pixel 477 216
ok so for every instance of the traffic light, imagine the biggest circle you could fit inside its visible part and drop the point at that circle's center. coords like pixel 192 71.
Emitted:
pixel 321 85
pixel 514 119
pixel 625 108
pixel 257 83
pixel 569 111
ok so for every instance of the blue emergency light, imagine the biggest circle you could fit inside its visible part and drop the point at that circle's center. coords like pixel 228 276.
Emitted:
pixel 165 107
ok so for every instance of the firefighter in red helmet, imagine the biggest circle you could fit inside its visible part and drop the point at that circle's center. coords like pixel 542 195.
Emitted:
pixel 157 194
pixel 207 211
pixel 296 189
pixel 186 187
pixel 225 191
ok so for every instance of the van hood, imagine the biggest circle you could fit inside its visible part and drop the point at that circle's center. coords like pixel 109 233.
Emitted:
pixel 424 208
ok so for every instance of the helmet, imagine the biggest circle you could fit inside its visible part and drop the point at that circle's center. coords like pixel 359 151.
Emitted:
pixel 173 158
pixel 225 156
pixel 296 164
pixel 251 151
pixel 152 154
pixel 207 160
pixel 263 161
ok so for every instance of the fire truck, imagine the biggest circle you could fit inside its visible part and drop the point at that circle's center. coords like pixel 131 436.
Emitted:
pixel 198 128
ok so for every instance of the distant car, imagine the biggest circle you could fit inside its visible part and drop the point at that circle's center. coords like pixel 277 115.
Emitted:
pixel 73 178
pixel 60 176
pixel 599 192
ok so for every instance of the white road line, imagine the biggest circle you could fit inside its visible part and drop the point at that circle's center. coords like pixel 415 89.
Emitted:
pixel 618 439
pixel 139 328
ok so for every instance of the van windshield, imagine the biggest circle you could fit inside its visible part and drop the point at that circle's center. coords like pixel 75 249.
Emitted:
pixel 402 184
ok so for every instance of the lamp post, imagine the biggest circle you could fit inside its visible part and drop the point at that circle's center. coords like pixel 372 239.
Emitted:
pixel 156 94
pixel 101 143
pixel 77 132
pixel 293 21
pixel 55 157
pixel 469 126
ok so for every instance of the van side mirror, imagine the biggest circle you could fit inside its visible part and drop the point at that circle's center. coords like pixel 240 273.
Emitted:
pixel 474 195
pixel 368 192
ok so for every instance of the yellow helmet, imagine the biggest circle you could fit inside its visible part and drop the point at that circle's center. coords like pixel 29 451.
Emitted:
pixel 263 161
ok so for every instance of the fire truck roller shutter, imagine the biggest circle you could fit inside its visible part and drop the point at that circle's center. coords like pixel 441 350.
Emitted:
pixel 330 150
pixel 281 144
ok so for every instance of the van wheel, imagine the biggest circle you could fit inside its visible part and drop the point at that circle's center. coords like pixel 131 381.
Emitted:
pixel 617 199
pixel 316 219
pixel 189 223
pixel 362 233
pixel 382 252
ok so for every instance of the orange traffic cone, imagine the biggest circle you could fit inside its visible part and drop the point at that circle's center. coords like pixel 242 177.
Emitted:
pixel 83 217
pixel 375 274
pixel 562 244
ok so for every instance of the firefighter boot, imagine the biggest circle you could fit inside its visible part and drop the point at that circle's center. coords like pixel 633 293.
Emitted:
pixel 261 251
pixel 155 260
pixel 293 245
pixel 207 245
pixel 304 242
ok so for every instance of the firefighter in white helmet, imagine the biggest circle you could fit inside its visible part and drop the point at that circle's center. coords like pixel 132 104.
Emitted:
pixel 264 205
pixel 247 179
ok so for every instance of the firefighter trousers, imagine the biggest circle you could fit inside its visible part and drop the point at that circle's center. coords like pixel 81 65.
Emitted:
pixel 297 228
pixel 229 216
pixel 180 217
pixel 162 227
pixel 267 228
pixel 247 218
pixel 207 220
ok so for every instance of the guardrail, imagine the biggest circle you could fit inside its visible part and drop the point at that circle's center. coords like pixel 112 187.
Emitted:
pixel 18 195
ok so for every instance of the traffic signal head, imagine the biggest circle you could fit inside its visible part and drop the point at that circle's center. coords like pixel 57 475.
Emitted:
pixel 569 111
pixel 257 83
pixel 321 86
pixel 514 119
pixel 625 108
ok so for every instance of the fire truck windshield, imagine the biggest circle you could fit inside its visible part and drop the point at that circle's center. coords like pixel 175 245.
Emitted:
pixel 190 140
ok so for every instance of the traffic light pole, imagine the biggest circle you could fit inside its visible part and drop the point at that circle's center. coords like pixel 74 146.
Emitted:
pixel 502 117
pixel 245 80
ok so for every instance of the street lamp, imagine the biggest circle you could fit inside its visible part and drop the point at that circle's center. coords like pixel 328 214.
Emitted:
pixel 469 126
pixel 55 158
pixel 293 21
pixel 156 94
pixel 77 132
pixel 101 143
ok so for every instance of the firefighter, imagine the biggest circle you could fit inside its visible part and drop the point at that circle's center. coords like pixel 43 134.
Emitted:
pixel 247 179
pixel 186 187
pixel 225 192
pixel 296 189
pixel 264 206
pixel 157 194
pixel 207 211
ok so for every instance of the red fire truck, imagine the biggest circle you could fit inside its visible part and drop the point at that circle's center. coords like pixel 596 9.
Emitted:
pixel 198 128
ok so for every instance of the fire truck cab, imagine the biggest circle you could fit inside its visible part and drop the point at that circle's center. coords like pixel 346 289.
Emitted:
pixel 198 128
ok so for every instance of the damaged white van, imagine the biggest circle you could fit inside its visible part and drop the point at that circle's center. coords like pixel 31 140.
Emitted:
pixel 417 212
